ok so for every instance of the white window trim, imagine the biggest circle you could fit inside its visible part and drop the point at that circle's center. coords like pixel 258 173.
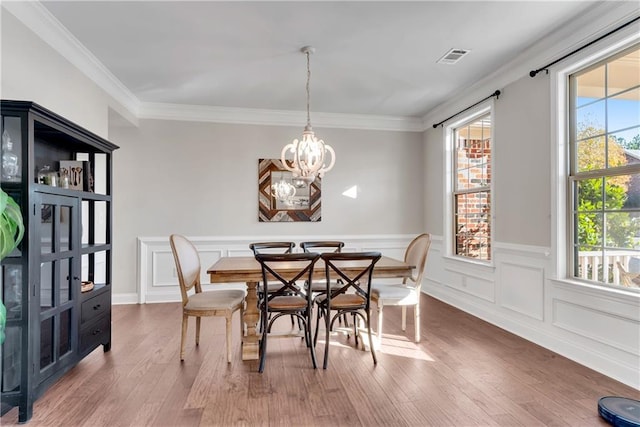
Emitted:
pixel 480 110
pixel 559 78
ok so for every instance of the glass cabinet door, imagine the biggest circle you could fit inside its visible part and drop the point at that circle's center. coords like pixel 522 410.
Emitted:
pixel 58 281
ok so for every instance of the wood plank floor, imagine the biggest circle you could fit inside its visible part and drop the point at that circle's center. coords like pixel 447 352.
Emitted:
pixel 464 372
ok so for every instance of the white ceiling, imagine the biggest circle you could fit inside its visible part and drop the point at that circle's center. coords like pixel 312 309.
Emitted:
pixel 372 58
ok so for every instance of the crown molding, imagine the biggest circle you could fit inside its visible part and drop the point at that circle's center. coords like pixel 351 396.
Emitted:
pixel 39 20
pixel 249 116
pixel 592 23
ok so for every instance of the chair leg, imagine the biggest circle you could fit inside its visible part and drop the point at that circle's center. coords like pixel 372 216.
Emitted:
pixel 380 322
pixel 228 321
pixel 404 317
pixel 312 348
pixel 263 341
pixel 327 324
pixel 185 321
pixel 416 321
pixel 197 331
pixel 371 345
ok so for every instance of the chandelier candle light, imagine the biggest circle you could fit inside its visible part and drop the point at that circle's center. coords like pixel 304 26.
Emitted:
pixel 309 153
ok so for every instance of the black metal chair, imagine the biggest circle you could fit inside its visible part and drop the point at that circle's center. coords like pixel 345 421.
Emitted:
pixel 290 299
pixel 327 246
pixel 355 269
pixel 271 248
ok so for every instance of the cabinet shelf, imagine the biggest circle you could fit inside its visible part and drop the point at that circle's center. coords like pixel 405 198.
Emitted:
pixel 51 325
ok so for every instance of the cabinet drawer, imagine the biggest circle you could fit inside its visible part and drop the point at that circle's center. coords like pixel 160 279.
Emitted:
pixel 95 307
pixel 95 334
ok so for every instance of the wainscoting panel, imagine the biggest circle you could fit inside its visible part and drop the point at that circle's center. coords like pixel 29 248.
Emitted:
pixel 522 289
pixel 158 277
pixel 592 325
pixel 597 325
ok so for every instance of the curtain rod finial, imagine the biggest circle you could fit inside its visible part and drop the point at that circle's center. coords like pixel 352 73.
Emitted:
pixel 532 73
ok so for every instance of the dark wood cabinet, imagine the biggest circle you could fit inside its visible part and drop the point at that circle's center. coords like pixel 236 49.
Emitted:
pixel 62 183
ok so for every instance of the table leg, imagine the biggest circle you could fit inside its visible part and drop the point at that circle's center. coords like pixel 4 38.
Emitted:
pixel 250 346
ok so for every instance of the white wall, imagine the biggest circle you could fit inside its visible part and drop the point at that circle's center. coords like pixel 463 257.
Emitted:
pixel 31 70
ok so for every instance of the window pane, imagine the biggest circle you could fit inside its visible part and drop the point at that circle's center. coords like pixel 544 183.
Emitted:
pixel 473 155
pixel 589 229
pixel 591 154
pixel 472 225
pixel 620 231
pixel 624 73
pixel 623 111
pixel 591 116
pixel 590 86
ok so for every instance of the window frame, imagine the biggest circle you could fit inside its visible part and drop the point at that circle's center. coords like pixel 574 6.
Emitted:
pixel 575 176
pixel 484 109
pixel 561 268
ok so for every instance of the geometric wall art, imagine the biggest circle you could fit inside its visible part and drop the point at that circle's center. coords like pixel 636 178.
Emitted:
pixel 283 198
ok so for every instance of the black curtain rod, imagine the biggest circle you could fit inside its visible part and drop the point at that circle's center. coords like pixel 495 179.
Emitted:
pixel 496 94
pixel 533 73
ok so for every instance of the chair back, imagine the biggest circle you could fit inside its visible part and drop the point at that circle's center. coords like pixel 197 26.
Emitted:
pixel 187 264
pixel 354 269
pixel 272 247
pixel 322 246
pixel 416 254
pixel 286 270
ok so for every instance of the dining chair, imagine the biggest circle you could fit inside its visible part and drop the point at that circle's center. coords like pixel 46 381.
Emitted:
pixel 319 284
pixel 406 293
pixel 271 248
pixel 290 299
pixel 222 300
pixel 355 270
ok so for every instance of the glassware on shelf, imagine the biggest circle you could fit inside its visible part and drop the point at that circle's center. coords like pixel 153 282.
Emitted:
pixel 44 175
pixel 10 161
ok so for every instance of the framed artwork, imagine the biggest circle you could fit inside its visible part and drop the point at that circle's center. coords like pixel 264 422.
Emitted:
pixel 283 198
pixel 75 171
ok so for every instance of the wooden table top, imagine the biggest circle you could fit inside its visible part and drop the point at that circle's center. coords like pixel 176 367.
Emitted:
pixel 247 269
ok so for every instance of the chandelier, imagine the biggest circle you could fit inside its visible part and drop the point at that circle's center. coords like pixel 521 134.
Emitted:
pixel 309 153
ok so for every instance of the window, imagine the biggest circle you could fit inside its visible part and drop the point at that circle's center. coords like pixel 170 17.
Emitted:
pixel 472 189
pixel 604 178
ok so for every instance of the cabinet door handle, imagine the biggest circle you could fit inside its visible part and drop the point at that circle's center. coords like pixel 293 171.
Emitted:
pixel 97 331
pixel 96 307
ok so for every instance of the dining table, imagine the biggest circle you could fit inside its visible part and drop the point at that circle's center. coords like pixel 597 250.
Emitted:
pixel 246 269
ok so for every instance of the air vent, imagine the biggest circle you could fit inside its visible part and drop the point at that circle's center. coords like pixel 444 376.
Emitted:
pixel 453 56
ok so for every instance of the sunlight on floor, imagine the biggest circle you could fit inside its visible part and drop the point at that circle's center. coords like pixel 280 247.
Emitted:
pixel 394 345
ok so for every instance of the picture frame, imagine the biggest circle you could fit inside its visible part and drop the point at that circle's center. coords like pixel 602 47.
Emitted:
pixel 75 170
pixel 301 204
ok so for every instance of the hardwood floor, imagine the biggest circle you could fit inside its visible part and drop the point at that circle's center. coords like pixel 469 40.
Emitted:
pixel 464 372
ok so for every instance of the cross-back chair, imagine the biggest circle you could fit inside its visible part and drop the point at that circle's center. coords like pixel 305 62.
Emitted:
pixel 222 300
pixel 286 270
pixel 355 270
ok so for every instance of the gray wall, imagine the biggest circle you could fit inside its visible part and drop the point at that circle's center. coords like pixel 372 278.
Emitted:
pixel 200 179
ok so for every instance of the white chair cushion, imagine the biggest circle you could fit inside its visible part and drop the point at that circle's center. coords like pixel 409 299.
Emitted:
pixel 395 294
pixel 215 300
pixel 227 287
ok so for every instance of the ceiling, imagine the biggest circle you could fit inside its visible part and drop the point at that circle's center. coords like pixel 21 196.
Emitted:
pixel 372 58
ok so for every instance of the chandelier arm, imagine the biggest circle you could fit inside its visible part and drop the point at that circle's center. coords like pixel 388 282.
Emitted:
pixel 283 155
pixel 328 148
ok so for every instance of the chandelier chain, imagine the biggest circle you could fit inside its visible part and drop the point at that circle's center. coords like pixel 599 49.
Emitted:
pixel 308 92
